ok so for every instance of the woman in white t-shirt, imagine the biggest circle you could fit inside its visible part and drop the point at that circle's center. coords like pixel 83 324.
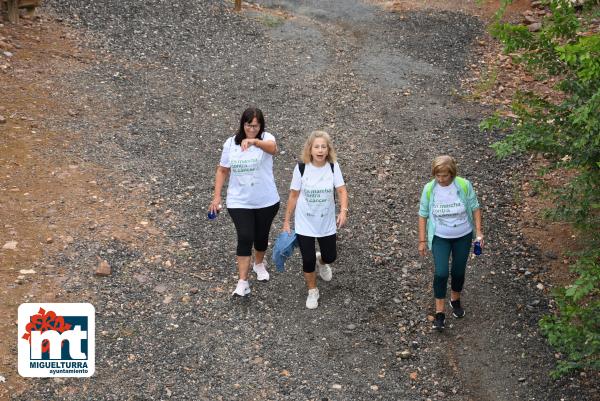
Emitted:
pixel 449 218
pixel 252 198
pixel 313 202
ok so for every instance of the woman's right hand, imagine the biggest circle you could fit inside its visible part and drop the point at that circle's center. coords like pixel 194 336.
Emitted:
pixel 422 248
pixel 286 227
pixel 215 205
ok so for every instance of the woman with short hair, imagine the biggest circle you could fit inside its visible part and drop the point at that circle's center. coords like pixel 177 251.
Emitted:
pixel 449 218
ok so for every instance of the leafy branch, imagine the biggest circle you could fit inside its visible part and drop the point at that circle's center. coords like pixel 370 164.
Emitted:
pixel 567 132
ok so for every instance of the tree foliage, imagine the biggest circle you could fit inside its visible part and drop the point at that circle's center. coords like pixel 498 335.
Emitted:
pixel 567 132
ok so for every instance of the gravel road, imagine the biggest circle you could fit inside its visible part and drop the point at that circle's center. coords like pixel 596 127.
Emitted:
pixel 171 80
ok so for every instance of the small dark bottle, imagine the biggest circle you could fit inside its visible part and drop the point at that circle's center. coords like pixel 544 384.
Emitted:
pixel 477 247
pixel 213 215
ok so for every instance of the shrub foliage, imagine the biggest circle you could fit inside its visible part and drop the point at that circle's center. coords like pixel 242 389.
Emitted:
pixel 566 130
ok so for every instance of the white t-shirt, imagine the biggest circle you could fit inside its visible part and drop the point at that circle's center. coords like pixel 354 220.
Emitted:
pixel 315 209
pixel 251 182
pixel 449 213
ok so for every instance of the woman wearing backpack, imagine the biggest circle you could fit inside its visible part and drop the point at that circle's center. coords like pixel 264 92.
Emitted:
pixel 312 201
pixel 449 218
pixel 252 198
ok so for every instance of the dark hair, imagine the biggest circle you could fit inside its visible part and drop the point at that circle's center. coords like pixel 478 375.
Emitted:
pixel 247 116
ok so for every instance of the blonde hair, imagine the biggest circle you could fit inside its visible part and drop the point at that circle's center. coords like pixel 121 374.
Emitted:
pixel 444 163
pixel 306 156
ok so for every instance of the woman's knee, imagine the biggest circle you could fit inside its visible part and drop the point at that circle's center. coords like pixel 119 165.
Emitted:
pixel 243 250
pixel 328 248
pixel 309 264
pixel 262 245
pixel 439 286
pixel 329 257
pixel 244 245
pixel 457 283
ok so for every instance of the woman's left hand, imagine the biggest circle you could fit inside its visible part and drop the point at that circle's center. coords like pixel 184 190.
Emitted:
pixel 286 227
pixel 246 143
pixel 480 238
pixel 341 219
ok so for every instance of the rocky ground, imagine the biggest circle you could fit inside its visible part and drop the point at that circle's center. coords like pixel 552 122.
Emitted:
pixel 152 106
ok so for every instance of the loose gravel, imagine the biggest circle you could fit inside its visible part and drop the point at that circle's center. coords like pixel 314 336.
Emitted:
pixel 171 80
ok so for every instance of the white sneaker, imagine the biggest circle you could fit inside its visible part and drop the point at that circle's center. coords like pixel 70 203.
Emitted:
pixel 261 271
pixel 312 301
pixel 242 289
pixel 324 269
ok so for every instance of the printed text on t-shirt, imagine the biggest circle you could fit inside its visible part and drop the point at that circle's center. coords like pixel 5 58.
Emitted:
pixel 315 195
pixel 245 166
pixel 448 209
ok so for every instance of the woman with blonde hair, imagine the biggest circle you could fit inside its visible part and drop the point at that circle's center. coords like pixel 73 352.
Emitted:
pixel 449 218
pixel 312 201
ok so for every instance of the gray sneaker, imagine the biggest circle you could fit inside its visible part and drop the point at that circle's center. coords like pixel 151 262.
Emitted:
pixel 324 269
pixel 242 289
pixel 312 301
pixel 261 271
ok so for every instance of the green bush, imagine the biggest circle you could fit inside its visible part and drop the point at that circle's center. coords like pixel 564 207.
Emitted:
pixel 575 331
pixel 567 133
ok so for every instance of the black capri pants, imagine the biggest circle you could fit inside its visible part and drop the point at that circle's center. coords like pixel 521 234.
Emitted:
pixel 307 249
pixel 253 226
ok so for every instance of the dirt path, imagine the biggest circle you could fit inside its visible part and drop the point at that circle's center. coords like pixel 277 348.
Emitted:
pixel 50 196
pixel 152 103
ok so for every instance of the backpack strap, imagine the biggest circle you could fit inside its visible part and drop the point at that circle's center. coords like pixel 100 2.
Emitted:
pixel 461 182
pixel 429 189
pixel 302 166
pixel 332 172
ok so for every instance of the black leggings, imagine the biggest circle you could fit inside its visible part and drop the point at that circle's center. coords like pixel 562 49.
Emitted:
pixel 307 249
pixel 253 226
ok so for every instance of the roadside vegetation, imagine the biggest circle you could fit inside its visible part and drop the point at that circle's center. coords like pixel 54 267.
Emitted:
pixel 565 129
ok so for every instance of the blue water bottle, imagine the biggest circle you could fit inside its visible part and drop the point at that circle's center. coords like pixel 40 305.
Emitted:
pixel 477 246
pixel 213 215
